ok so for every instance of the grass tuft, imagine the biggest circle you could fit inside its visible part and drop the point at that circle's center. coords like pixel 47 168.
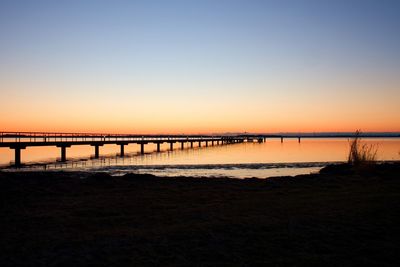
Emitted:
pixel 361 154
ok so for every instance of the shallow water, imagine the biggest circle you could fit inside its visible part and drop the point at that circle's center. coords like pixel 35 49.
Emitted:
pixel 271 158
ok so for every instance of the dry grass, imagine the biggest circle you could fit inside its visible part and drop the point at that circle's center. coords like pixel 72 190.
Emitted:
pixel 361 154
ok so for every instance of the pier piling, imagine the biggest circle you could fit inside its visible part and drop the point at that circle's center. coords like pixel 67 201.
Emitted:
pixel 122 150
pixel 63 153
pixel 63 148
pixel 17 160
pixel 96 152
pixel 142 148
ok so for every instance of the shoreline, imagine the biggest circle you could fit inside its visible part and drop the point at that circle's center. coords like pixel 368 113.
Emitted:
pixel 198 171
pixel 339 217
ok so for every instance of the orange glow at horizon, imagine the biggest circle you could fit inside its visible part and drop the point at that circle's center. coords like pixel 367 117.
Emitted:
pixel 202 127
pixel 268 107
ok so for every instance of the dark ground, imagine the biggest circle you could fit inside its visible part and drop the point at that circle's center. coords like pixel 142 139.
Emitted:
pixel 339 218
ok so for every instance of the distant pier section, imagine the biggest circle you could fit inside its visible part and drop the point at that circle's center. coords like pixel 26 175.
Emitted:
pixel 21 140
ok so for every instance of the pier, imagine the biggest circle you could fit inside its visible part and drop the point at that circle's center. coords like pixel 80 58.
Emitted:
pixel 18 141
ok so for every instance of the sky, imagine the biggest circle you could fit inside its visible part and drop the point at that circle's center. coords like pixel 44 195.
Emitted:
pixel 199 66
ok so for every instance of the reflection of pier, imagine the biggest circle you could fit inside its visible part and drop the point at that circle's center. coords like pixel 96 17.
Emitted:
pixel 21 140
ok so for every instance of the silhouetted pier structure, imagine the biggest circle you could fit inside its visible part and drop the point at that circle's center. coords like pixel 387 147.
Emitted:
pixel 21 140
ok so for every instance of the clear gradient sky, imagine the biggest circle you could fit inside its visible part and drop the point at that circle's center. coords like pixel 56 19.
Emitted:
pixel 199 66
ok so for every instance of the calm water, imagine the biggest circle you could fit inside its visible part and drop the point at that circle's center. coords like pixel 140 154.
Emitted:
pixel 271 158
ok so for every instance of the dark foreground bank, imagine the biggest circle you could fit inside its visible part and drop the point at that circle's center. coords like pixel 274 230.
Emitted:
pixel 340 217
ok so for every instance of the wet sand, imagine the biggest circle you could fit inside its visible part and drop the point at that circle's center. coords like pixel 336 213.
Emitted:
pixel 339 217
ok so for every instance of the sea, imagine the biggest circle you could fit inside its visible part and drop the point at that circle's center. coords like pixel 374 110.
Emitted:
pixel 242 160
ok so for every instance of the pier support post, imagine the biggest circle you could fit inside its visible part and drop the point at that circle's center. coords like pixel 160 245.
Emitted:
pixel 281 139
pixel 206 143
pixel 158 147
pixel 96 152
pixel 63 148
pixel 212 143
pixel 63 153
pixel 182 145
pixel 191 144
pixel 199 143
pixel 17 161
pixel 299 139
pixel 171 146
pixel 142 148
pixel 122 150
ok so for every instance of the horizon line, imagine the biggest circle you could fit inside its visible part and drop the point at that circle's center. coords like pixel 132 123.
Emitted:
pixel 212 133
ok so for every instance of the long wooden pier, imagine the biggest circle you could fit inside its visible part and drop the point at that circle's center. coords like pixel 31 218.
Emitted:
pixel 21 140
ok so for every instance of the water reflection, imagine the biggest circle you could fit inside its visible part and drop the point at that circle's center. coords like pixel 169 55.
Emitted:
pixel 243 155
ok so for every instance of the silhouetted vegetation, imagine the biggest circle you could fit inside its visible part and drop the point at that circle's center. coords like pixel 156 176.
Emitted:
pixel 361 154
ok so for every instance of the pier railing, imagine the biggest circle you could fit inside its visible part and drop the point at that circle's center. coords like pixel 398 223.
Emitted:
pixel 84 137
